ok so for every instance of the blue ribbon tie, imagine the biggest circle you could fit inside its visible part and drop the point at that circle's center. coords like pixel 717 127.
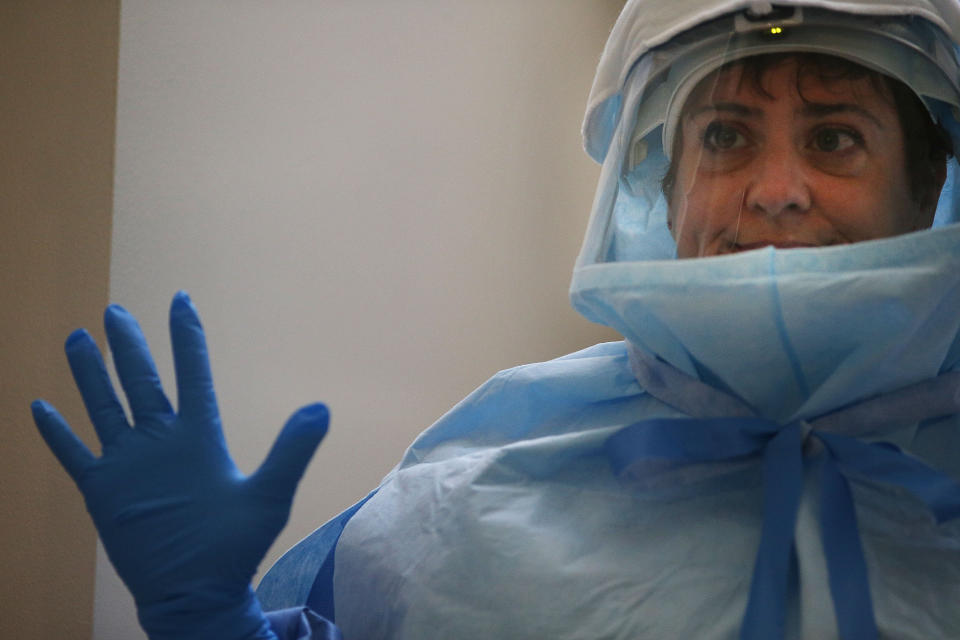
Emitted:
pixel 690 440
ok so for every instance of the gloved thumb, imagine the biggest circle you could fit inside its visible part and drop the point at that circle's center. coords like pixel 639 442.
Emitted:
pixel 292 451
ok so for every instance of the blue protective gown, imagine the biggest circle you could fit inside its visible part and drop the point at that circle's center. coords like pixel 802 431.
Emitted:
pixel 300 623
pixel 517 516
pixel 772 452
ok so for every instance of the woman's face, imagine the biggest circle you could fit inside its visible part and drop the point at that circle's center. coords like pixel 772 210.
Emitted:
pixel 798 162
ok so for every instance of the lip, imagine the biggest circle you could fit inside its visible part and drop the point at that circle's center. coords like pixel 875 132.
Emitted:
pixel 776 244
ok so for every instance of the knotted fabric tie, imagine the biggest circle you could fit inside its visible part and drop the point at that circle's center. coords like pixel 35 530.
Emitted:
pixel 705 438
pixel 781 447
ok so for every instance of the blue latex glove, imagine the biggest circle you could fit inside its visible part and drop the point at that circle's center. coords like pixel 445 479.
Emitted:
pixel 183 526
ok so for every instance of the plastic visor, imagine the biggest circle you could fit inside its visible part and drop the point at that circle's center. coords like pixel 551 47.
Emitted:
pixel 629 220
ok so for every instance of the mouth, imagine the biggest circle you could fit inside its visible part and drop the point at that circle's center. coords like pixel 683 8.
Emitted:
pixel 737 247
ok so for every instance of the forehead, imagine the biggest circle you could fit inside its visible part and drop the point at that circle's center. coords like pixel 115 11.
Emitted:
pixel 809 78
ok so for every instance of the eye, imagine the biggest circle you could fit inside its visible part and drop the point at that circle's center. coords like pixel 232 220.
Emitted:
pixel 722 137
pixel 832 139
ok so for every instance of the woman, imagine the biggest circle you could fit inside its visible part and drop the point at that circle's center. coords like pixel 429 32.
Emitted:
pixel 771 452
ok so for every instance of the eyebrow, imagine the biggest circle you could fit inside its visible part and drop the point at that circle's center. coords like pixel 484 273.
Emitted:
pixel 810 110
pixel 821 109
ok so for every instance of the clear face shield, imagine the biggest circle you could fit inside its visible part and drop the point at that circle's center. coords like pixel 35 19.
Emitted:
pixel 800 128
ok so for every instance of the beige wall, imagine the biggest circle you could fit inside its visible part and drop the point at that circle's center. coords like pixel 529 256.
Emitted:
pixel 57 111
pixel 487 293
pixel 377 204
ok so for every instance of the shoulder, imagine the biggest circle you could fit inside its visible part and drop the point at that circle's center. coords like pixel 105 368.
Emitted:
pixel 572 392
pixel 596 373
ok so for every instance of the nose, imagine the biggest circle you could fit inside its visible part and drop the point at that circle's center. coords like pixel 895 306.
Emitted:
pixel 778 184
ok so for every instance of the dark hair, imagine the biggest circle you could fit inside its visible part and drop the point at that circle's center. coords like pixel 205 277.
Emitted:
pixel 927 146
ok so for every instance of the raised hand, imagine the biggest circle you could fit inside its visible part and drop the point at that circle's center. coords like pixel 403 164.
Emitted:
pixel 183 526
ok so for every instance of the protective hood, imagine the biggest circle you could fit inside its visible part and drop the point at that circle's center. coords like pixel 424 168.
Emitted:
pixel 644 25
pixel 796 332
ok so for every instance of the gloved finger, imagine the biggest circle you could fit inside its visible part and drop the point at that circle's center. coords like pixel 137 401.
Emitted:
pixel 194 379
pixel 292 451
pixel 95 386
pixel 65 445
pixel 135 366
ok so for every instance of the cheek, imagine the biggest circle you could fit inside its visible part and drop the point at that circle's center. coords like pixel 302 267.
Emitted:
pixel 871 209
pixel 883 203
pixel 703 204
pixel 902 214
pixel 699 218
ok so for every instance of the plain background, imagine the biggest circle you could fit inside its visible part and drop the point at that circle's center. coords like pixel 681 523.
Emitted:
pixel 375 204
